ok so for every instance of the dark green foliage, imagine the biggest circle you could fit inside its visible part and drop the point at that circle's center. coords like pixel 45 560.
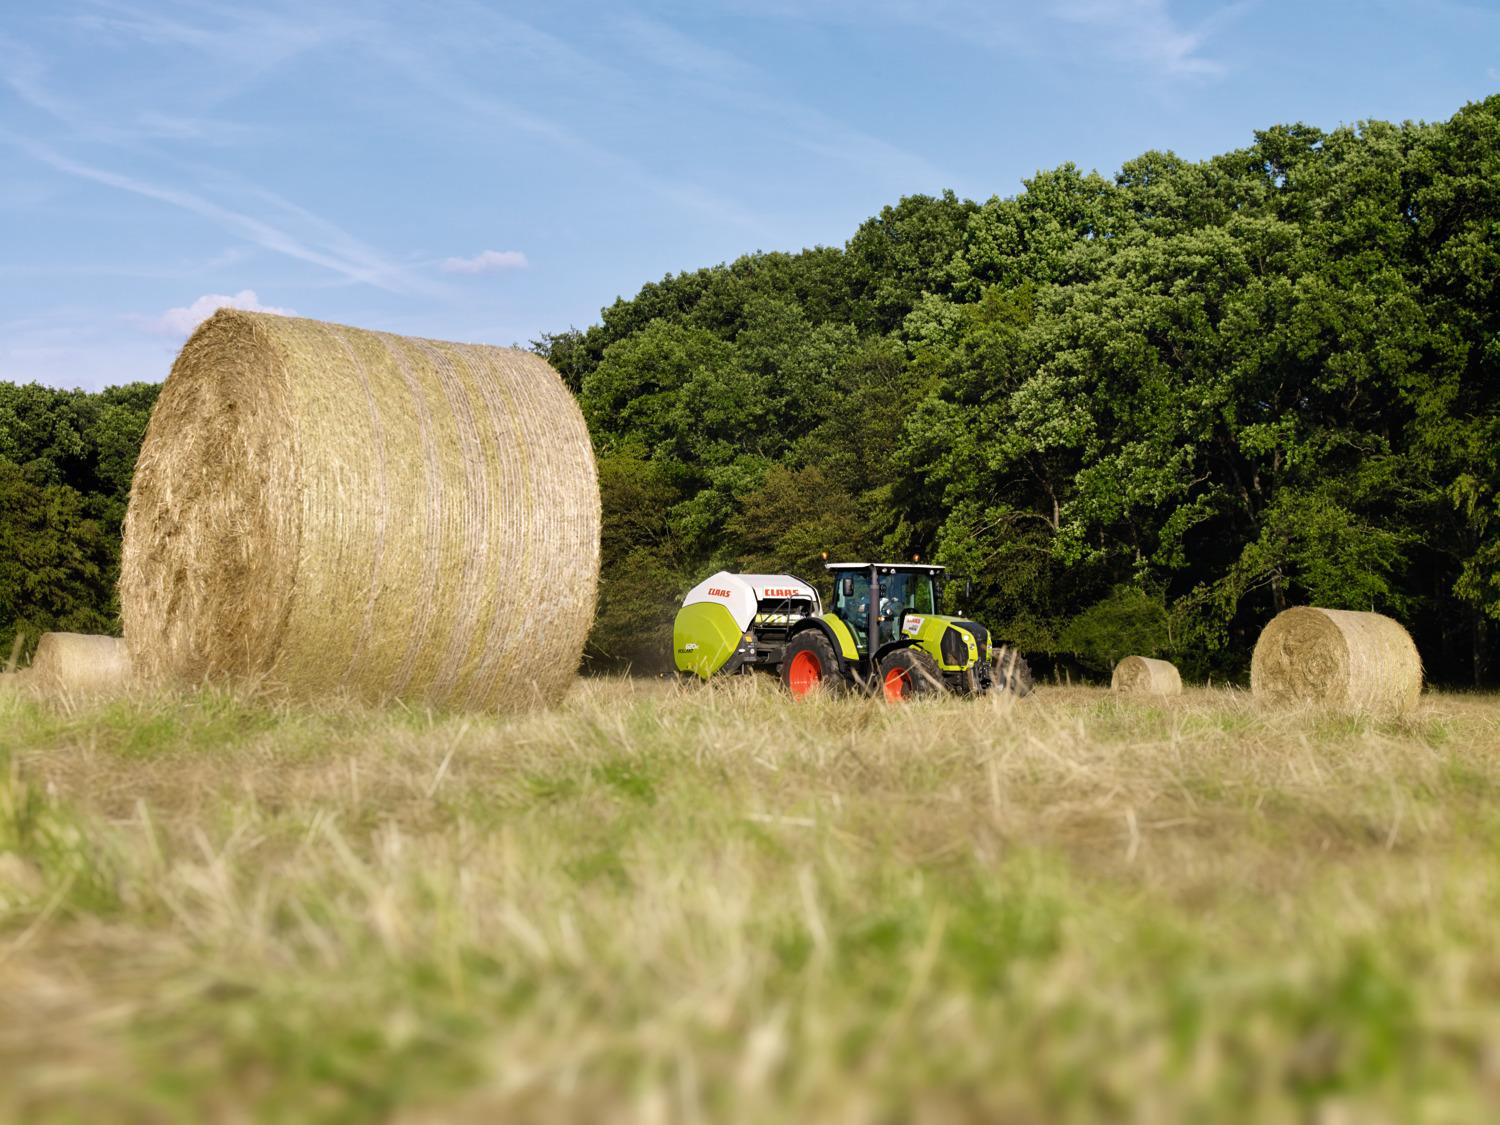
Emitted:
pixel 1141 414
pixel 1127 622
pixel 66 458
pixel 792 519
pixel 640 560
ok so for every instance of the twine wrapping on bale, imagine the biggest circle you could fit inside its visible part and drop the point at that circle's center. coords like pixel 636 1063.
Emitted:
pixel 328 510
pixel 1143 675
pixel 1340 658
pixel 78 664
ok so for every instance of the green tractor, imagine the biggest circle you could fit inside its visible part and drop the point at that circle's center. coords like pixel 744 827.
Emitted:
pixel 883 633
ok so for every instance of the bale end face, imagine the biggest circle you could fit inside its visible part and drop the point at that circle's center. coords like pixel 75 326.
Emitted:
pixel 79 664
pixel 1143 675
pixel 1343 659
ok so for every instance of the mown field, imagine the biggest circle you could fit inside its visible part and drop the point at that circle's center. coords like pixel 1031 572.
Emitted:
pixel 655 904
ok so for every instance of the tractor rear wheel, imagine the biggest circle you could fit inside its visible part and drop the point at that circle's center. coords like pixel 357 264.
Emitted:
pixel 907 673
pixel 810 665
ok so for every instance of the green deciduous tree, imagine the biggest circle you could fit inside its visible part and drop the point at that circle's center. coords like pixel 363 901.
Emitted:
pixel 66 459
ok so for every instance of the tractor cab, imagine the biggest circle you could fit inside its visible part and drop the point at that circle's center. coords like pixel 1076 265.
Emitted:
pixel 903 589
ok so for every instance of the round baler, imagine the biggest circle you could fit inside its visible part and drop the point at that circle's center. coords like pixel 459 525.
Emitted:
pixel 737 622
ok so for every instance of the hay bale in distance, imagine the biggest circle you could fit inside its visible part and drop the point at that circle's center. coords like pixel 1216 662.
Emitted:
pixel 330 510
pixel 1143 675
pixel 1340 658
pixel 78 664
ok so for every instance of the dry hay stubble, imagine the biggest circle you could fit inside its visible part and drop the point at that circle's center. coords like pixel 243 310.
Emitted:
pixel 330 510
pixel 1339 658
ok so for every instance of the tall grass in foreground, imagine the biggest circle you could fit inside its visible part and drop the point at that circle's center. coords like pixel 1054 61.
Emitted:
pixel 666 904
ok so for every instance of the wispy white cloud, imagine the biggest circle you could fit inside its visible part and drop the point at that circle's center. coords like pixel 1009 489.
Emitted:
pixel 181 321
pixel 364 268
pixel 236 44
pixel 152 125
pixel 1142 33
pixel 24 75
pixel 486 261
pixel 666 46
pixel 482 28
pixel 227 46
pixel 331 237
pixel 724 77
pixel 119 123
pixel 248 39
pixel 167 268
pixel 438 77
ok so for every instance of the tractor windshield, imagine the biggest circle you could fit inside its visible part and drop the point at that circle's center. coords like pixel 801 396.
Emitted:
pixel 899 594
pixel 907 591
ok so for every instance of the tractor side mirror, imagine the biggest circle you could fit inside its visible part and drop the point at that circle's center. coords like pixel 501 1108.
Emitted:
pixel 846 587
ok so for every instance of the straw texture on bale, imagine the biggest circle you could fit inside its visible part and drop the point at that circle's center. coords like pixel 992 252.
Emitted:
pixel 1340 658
pixel 78 664
pixel 330 510
pixel 1143 675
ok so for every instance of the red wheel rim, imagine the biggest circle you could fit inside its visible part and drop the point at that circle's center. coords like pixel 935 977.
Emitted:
pixel 804 673
pixel 896 682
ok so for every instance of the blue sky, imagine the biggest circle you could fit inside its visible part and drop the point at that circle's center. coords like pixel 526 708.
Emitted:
pixel 485 170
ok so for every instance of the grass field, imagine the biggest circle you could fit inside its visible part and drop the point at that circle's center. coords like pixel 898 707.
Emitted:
pixel 664 905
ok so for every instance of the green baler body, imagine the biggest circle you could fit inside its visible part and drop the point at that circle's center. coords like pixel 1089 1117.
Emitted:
pixel 704 637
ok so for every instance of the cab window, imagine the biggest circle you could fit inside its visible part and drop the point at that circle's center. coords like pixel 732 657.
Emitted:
pixel 914 592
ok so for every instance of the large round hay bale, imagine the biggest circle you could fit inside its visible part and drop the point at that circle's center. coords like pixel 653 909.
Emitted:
pixel 330 510
pixel 78 664
pixel 1337 657
pixel 1143 675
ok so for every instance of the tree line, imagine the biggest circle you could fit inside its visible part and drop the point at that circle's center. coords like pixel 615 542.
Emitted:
pixel 1140 414
pixel 66 458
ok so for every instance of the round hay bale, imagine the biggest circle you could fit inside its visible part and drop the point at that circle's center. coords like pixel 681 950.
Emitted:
pixel 78 664
pixel 1337 657
pixel 329 510
pixel 1143 675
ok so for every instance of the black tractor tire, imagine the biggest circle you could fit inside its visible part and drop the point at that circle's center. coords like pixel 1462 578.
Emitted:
pixel 1011 672
pixel 908 673
pixel 809 666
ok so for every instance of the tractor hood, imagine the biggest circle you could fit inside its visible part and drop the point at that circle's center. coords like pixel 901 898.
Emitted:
pixel 744 594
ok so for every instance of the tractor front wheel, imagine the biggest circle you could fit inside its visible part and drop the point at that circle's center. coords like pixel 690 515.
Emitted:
pixel 810 665
pixel 909 672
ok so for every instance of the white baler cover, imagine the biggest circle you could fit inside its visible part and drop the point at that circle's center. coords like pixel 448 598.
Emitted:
pixel 742 593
